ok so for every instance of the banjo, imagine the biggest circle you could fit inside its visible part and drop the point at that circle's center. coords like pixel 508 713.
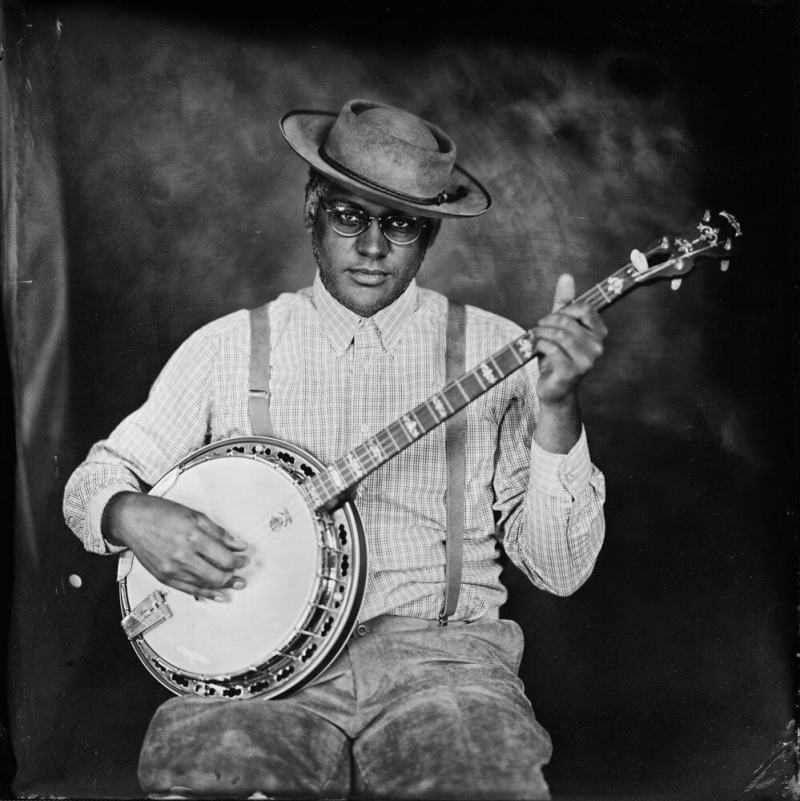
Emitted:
pixel 308 562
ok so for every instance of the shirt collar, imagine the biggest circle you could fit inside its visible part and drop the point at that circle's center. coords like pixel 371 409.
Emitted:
pixel 340 324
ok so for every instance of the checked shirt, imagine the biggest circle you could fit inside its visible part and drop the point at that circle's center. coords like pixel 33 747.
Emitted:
pixel 335 380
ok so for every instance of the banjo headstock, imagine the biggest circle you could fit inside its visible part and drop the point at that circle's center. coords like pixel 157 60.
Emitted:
pixel 673 256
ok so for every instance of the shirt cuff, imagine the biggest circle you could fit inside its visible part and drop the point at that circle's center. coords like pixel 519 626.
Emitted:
pixel 94 516
pixel 557 474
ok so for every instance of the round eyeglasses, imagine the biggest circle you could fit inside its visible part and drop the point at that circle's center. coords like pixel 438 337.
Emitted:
pixel 348 220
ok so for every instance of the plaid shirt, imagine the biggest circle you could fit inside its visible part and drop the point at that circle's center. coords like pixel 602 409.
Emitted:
pixel 336 379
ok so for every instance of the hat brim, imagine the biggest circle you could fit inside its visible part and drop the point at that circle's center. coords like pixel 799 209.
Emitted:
pixel 305 131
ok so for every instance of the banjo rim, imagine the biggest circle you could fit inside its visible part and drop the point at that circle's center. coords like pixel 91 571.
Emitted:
pixel 269 678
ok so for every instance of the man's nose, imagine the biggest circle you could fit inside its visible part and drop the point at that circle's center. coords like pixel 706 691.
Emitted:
pixel 372 242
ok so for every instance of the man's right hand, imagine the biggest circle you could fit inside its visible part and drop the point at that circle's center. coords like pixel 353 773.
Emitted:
pixel 179 546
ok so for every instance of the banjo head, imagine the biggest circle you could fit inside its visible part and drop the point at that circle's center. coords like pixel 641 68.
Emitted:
pixel 305 578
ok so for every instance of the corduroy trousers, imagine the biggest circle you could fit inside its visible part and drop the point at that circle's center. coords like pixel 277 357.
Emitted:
pixel 408 710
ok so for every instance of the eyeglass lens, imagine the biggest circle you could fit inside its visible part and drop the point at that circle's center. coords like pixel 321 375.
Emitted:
pixel 346 220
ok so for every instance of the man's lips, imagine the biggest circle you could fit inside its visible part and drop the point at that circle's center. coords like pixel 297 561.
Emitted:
pixel 368 277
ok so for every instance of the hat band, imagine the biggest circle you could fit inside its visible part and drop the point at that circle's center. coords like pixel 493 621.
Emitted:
pixel 436 200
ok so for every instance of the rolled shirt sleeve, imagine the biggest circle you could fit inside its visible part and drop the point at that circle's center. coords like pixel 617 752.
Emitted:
pixel 172 422
pixel 550 505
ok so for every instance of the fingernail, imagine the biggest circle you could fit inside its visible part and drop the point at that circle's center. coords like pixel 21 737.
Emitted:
pixel 238 583
pixel 223 599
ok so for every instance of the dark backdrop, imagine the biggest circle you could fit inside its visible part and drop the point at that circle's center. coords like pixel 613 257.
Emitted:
pixel 147 190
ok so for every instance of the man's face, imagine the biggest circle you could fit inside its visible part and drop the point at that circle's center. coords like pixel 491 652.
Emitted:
pixel 367 272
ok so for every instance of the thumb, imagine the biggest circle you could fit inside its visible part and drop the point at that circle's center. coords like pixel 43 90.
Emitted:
pixel 565 291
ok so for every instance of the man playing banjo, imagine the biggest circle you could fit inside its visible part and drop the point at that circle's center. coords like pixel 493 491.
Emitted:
pixel 424 700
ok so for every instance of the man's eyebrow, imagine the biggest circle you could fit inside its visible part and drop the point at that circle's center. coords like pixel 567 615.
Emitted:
pixel 334 199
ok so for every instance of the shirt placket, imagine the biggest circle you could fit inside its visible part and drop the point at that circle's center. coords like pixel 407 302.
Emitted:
pixel 366 388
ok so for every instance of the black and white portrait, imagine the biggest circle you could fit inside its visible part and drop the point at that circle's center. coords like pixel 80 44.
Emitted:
pixel 579 218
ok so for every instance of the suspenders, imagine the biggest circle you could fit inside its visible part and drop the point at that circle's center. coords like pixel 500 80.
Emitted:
pixel 455 365
pixel 258 399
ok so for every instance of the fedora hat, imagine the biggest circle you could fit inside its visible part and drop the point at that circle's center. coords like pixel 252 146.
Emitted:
pixel 388 156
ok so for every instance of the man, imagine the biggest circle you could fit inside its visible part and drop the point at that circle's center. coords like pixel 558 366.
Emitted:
pixel 411 708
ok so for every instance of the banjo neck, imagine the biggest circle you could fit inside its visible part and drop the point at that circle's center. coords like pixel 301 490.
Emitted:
pixel 671 258
pixel 454 396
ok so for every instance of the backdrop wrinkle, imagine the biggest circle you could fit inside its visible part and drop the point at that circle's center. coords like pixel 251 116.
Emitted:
pixel 35 308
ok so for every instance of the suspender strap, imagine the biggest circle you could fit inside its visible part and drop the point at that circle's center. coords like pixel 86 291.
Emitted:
pixel 258 398
pixel 455 361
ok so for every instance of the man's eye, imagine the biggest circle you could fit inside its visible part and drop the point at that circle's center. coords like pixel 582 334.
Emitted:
pixel 401 223
pixel 348 216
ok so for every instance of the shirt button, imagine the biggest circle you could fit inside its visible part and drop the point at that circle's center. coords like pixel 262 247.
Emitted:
pixel 364 429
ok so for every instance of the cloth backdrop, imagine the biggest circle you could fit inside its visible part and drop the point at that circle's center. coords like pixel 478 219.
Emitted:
pixel 146 190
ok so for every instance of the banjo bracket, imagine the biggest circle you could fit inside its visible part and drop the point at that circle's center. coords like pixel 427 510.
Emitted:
pixel 147 614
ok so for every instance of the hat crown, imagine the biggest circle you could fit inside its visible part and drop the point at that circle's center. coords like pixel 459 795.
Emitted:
pixel 390 148
pixel 400 124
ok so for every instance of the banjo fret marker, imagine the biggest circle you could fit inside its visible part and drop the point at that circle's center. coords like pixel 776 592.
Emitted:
pixel 438 406
pixel 354 465
pixel 487 373
pixel 336 477
pixel 525 347
pixel 411 426
pixel 375 451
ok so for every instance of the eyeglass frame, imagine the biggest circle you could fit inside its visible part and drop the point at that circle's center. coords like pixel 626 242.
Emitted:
pixel 423 223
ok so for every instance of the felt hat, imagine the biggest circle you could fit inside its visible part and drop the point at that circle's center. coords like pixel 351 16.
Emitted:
pixel 388 156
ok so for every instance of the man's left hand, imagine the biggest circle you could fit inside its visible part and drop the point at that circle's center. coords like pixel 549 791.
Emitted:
pixel 570 341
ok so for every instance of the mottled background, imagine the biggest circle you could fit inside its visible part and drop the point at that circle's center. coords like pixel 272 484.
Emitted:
pixel 147 190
